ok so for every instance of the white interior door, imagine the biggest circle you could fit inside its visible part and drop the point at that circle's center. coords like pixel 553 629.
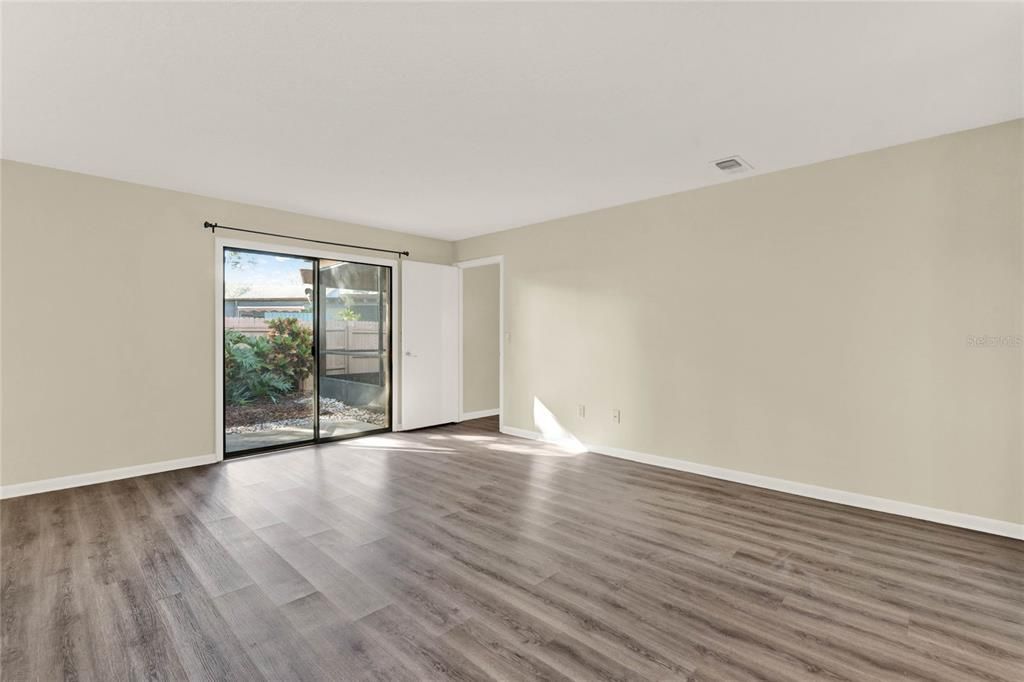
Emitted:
pixel 430 344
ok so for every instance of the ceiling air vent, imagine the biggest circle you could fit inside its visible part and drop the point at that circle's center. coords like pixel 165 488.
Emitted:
pixel 732 165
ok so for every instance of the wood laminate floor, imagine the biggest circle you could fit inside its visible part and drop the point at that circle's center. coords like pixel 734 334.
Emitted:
pixel 460 553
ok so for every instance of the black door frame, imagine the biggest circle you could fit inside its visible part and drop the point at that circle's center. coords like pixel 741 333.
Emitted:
pixel 316 439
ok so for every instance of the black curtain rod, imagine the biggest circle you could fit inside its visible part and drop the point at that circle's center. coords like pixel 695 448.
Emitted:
pixel 213 227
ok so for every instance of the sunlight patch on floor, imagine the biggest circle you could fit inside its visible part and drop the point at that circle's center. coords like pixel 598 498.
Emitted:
pixel 531 450
pixel 552 431
pixel 385 443
pixel 405 448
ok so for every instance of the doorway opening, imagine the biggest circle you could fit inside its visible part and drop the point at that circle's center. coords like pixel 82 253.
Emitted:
pixel 306 350
pixel 483 336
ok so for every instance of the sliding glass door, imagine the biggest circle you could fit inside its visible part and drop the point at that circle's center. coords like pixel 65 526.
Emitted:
pixel 306 350
pixel 354 361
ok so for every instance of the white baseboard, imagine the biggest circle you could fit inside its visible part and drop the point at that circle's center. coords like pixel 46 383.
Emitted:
pixel 77 480
pixel 914 511
pixel 478 414
pixel 522 433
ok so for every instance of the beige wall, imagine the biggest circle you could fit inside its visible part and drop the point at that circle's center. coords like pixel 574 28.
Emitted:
pixel 480 313
pixel 93 270
pixel 809 325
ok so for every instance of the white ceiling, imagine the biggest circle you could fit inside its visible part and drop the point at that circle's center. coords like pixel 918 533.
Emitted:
pixel 453 120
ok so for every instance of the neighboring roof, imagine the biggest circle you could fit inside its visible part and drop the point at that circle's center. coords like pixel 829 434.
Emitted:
pixel 276 308
pixel 254 295
pixel 246 297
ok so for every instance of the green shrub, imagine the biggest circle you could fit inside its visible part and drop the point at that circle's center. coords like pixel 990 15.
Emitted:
pixel 267 368
pixel 291 349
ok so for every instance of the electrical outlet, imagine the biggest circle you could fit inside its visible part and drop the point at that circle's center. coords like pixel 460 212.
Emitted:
pixel 617 416
pixel 581 410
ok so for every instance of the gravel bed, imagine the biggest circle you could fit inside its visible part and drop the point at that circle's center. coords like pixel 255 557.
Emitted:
pixel 295 413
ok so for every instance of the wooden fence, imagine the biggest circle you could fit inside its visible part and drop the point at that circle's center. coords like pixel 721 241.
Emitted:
pixel 340 335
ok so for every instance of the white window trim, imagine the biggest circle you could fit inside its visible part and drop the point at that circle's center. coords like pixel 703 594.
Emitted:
pixel 220 243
